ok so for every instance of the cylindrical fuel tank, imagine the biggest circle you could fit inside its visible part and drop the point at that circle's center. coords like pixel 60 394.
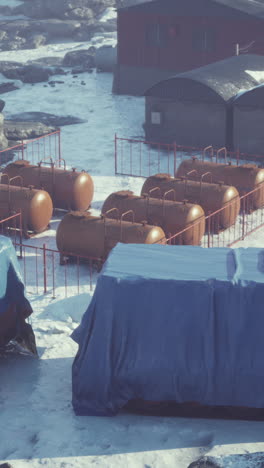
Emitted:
pixel 35 206
pixel 245 178
pixel 69 190
pixel 211 197
pixel 79 233
pixel 172 217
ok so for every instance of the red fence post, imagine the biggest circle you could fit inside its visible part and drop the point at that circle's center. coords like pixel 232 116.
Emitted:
pixel 44 268
pixel 243 217
pixel 53 277
pixel 20 233
pixel 59 143
pixel 209 230
pixel 237 157
pixel 115 154
pixel 174 158
pixel 22 149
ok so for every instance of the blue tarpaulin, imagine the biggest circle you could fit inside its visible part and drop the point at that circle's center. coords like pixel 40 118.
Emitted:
pixel 14 307
pixel 172 323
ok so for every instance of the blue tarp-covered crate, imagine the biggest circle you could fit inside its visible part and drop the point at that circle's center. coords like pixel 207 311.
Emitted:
pixel 172 323
pixel 14 307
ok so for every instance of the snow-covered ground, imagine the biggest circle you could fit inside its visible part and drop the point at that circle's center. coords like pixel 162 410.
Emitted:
pixel 37 423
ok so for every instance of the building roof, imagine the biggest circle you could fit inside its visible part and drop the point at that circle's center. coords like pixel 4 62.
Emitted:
pixel 252 97
pixel 223 79
pixel 236 9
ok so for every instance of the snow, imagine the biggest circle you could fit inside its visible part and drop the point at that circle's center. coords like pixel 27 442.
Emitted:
pixel 258 75
pixel 57 49
pixel 38 426
pixel 108 14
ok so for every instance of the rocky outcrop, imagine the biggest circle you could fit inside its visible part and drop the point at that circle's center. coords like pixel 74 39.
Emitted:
pixel 64 9
pixel 29 74
pixel 205 462
pixel 25 130
pixel 49 19
pixel 80 60
pixel 7 86
pixel 2 105
pixel 126 3
pixel 29 34
pixel 32 73
pixel 46 118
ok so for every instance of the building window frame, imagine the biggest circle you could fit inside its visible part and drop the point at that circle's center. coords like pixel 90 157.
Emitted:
pixel 155 117
pixel 204 40
pixel 157 35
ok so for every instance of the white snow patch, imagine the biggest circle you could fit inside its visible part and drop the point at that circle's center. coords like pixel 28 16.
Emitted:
pixel 258 75
pixel 109 14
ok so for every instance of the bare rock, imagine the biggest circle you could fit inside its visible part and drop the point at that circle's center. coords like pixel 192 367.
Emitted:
pixel 63 9
pixel 55 28
pixel 7 87
pixel 14 130
pixel 205 462
pixel 36 40
pixel 81 14
pixel 80 58
pixel 28 74
pixel 46 118
pixel 6 66
pixel 3 35
pixel 47 62
pixel 2 104
pixel 16 43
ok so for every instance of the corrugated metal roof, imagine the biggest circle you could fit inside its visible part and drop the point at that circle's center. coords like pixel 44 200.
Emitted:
pixel 226 78
pixel 236 9
pixel 253 97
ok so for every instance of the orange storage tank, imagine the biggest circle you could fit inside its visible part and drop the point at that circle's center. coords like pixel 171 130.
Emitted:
pixel 80 233
pixel 35 207
pixel 171 216
pixel 69 190
pixel 245 178
pixel 211 197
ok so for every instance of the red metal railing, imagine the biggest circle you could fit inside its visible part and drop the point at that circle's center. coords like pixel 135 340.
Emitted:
pixel 44 273
pixel 34 150
pixel 140 158
pixel 248 221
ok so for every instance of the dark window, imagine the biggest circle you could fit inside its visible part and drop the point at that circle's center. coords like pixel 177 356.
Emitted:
pixel 157 35
pixel 204 40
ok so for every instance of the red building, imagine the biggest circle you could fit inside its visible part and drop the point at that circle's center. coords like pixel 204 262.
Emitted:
pixel 159 38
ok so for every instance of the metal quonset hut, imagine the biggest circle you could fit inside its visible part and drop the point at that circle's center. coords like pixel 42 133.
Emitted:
pixel 194 108
pixel 160 38
pixel 248 121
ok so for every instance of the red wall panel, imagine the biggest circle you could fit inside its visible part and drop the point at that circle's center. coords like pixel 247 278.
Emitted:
pixel 179 53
